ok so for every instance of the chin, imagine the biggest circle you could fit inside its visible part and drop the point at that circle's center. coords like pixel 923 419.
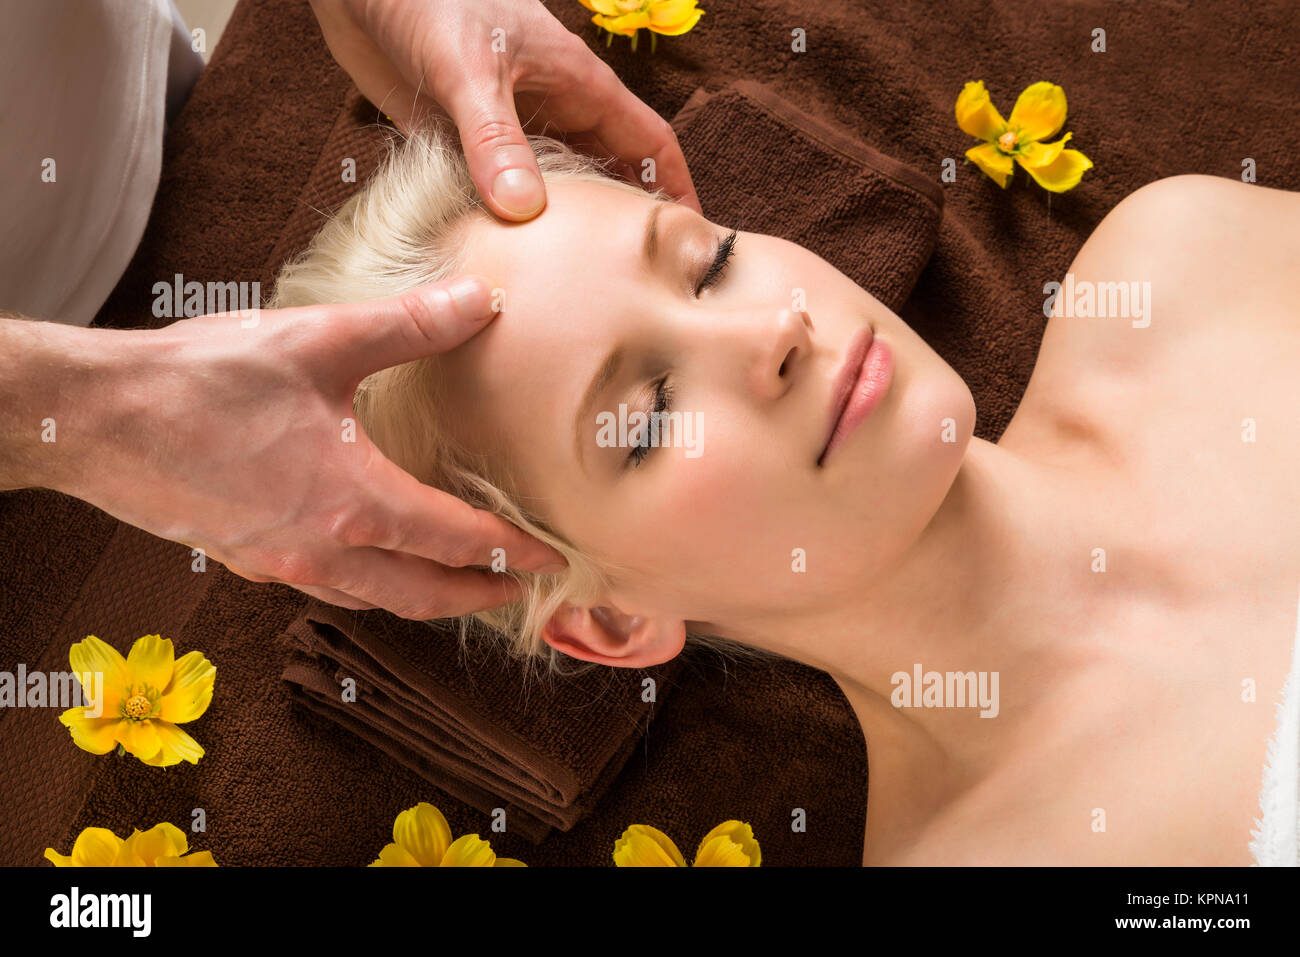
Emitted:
pixel 933 423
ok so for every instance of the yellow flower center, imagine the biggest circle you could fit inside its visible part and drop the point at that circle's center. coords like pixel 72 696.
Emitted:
pixel 138 706
pixel 1007 141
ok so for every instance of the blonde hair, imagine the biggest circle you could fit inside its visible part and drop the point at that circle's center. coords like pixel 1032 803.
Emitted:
pixel 406 227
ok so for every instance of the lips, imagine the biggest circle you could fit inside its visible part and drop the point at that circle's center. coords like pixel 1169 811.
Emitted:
pixel 860 384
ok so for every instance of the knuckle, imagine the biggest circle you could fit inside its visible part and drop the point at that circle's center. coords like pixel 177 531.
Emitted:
pixel 354 528
pixel 296 568
pixel 666 132
pixel 422 310
pixel 491 130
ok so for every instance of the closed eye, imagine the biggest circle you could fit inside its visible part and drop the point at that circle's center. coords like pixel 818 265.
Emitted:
pixel 716 268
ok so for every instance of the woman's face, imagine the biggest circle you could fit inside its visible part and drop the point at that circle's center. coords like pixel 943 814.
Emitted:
pixel 711 529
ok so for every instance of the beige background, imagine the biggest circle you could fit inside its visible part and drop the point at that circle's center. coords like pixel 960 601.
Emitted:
pixel 211 15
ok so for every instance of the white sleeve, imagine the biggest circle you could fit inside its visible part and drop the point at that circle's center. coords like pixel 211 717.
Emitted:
pixel 84 88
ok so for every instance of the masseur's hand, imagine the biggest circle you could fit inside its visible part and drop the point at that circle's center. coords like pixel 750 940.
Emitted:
pixel 412 57
pixel 241 441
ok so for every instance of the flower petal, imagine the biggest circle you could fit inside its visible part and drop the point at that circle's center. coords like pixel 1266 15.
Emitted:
pixel 722 851
pixel 140 738
pixel 977 115
pixel 95 655
pixel 1041 154
pixel 628 23
pixel 161 840
pixel 674 17
pixel 1062 173
pixel 736 832
pixel 996 164
pixel 96 735
pixel 424 832
pixel 190 691
pixel 150 662
pixel 394 855
pixel 174 746
pixel 509 862
pixel 644 846
pixel 94 847
pixel 469 850
pixel 1039 112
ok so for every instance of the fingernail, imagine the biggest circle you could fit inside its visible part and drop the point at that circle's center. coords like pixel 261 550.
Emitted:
pixel 471 297
pixel 519 191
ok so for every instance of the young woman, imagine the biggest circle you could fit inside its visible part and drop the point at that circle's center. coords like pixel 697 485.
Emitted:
pixel 1124 561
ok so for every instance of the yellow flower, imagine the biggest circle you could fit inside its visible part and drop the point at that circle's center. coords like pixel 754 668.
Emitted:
pixel 627 17
pixel 422 838
pixel 163 845
pixel 1039 113
pixel 143 698
pixel 730 844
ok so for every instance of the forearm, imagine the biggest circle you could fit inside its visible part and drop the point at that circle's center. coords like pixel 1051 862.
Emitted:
pixel 55 383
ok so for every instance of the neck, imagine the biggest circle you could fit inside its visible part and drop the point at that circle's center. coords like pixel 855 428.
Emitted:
pixel 967 597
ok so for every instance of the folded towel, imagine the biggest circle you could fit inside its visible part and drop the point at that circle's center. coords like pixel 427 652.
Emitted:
pixel 545 752
pixel 762 164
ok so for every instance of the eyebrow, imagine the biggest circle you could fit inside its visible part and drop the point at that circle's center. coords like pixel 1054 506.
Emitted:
pixel 599 382
pixel 651 248
pixel 613 362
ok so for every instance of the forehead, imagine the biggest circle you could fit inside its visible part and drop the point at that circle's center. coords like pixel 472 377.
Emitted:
pixel 567 275
pixel 585 225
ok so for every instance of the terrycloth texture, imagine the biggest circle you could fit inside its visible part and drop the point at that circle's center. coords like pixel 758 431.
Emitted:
pixel 1182 88
pixel 871 216
pixel 546 751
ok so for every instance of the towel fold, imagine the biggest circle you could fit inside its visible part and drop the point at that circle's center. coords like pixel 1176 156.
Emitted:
pixel 762 164
pixel 544 751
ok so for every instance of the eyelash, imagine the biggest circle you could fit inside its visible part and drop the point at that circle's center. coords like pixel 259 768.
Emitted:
pixel 663 402
pixel 719 264
pixel 663 392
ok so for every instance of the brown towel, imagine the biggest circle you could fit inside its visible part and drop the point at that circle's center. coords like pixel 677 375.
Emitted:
pixel 762 164
pixel 545 751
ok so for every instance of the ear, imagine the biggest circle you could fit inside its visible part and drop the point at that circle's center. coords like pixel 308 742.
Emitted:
pixel 609 637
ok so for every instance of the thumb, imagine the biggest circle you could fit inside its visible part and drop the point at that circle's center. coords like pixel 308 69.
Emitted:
pixel 423 322
pixel 501 163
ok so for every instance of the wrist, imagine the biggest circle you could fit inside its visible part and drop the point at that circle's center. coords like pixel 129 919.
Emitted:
pixel 58 394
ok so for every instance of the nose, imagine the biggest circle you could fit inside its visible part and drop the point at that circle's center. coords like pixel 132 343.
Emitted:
pixel 779 348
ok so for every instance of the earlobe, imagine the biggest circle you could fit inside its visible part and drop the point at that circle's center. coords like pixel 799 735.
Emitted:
pixel 607 636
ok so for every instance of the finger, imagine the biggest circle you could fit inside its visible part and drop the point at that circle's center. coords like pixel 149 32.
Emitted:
pixel 425 521
pixel 633 132
pixel 333 596
pixel 374 335
pixel 590 143
pixel 324 593
pixel 416 588
pixel 501 163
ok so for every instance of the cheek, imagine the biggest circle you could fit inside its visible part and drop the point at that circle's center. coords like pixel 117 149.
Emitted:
pixel 720 531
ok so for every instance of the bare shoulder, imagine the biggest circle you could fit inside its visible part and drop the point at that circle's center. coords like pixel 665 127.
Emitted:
pixel 1198 247
pixel 1165 271
pixel 1170 228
